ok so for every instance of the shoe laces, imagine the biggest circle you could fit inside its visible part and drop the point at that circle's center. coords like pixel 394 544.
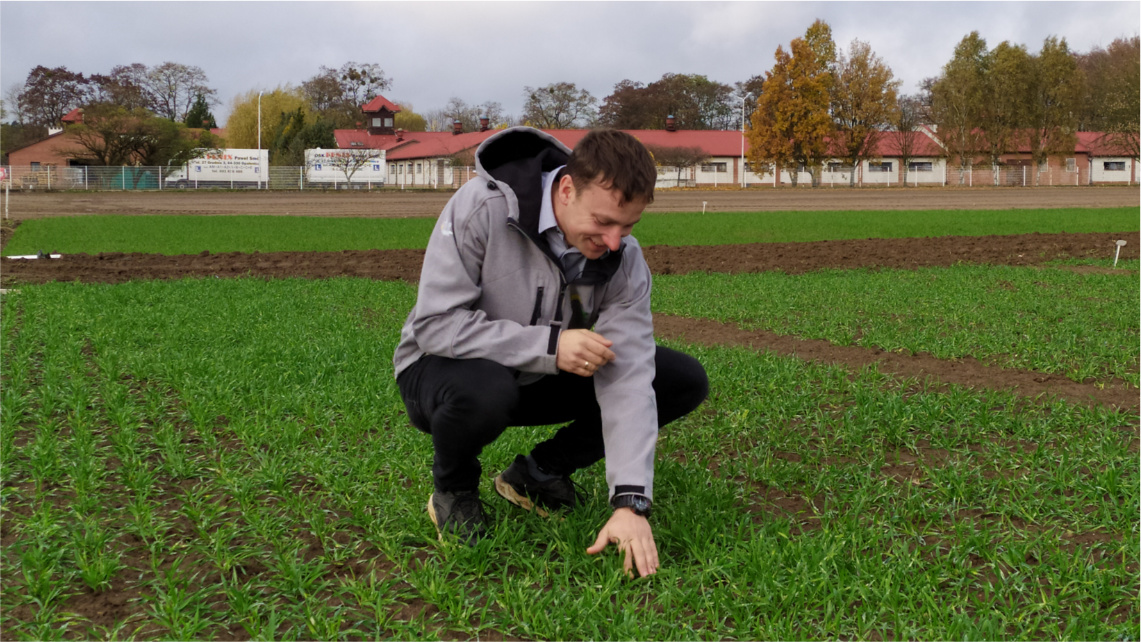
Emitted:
pixel 467 507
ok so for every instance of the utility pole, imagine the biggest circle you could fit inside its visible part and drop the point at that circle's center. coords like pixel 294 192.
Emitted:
pixel 744 181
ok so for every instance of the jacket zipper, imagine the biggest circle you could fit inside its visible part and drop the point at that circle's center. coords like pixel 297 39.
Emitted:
pixel 538 306
pixel 557 323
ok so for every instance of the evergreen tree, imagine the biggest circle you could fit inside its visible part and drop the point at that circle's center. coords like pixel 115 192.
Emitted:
pixel 199 116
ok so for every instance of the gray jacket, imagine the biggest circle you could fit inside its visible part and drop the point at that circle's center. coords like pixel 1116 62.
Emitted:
pixel 492 289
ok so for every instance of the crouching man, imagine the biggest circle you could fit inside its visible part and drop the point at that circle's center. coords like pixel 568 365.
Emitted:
pixel 534 309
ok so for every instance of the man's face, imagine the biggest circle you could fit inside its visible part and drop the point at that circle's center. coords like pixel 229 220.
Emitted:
pixel 594 219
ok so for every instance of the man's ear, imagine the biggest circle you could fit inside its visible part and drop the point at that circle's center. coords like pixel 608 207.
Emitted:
pixel 566 190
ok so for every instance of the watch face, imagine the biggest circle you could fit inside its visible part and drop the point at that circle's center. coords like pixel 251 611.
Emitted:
pixel 641 504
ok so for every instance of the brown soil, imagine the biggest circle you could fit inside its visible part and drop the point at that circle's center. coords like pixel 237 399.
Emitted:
pixel 1023 249
pixel 397 203
pixel 967 371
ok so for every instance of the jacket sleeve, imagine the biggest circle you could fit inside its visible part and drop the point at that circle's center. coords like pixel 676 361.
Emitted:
pixel 624 387
pixel 445 322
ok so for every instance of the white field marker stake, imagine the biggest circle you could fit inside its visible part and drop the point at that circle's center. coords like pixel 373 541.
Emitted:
pixel 1117 252
pixel 703 204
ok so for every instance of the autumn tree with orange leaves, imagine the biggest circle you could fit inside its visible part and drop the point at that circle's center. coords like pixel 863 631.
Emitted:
pixel 792 121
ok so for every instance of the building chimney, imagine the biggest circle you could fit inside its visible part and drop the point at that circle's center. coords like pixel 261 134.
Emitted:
pixel 484 124
pixel 671 123
pixel 457 127
pixel 399 135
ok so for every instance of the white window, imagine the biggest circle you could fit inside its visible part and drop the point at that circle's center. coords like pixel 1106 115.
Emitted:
pixel 1071 165
pixel 1113 166
pixel 388 122
pixel 879 167
pixel 35 167
pixel 920 166
pixel 1043 167
pixel 836 167
pixel 418 168
pixel 715 167
pixel 376 122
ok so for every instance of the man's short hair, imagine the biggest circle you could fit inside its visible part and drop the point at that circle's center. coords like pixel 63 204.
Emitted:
pixel 617 159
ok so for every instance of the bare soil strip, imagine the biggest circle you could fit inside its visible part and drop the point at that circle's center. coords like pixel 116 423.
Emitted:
pixel 966 371
pixel 792 258
pixel 403 203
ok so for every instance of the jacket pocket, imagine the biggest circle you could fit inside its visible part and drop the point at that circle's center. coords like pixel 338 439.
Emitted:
pixel 538 306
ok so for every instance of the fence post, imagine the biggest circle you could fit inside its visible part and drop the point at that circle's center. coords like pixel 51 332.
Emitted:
pixel 300 178
pixel 85 178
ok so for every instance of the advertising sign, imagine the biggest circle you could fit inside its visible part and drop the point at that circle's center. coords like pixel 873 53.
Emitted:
pixel 345 165
pixel 224 165
pixel 228 165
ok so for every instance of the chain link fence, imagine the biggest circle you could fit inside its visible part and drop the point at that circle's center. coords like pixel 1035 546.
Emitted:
pixel 37 178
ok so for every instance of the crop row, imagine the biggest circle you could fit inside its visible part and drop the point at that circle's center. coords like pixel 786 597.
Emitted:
pixel 1083 326
pixel 230 458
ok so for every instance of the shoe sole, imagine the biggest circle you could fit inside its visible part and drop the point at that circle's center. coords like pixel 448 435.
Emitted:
pixel 432 516
pixel 506 491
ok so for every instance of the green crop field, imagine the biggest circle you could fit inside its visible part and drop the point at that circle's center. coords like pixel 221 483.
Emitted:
pixel 229 458
pixel 194 234
pixel 1083 326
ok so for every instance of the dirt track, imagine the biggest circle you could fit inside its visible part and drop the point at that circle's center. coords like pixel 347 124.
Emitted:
pixel 383 204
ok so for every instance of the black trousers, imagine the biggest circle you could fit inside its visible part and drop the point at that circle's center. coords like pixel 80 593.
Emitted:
pixel 465 404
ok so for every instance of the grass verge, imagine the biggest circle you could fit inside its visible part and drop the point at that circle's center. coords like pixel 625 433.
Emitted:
pixel 194 234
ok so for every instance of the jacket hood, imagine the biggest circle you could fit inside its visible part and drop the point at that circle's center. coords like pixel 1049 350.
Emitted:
pixel 518 156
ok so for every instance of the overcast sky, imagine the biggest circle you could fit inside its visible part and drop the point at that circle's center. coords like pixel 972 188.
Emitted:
pixel 481 51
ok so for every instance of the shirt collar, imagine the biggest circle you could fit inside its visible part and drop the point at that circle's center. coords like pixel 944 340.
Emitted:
pixel 547 209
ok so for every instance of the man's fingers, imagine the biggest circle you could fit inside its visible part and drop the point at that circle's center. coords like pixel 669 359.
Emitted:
pixel 600 542
pixel 599 338
pixel 642 558
pixel 598 354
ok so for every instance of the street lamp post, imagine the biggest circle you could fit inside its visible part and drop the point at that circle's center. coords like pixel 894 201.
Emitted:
pixel 259 137
pixel 744 181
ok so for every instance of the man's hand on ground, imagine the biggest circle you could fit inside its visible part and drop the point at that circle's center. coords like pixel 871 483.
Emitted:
pixel 632 533
pixel 583 352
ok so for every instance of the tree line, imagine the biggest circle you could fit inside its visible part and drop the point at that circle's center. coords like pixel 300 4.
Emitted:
pixel 816 102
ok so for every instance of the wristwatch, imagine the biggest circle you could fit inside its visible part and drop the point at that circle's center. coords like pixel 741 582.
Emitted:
pixel 640 504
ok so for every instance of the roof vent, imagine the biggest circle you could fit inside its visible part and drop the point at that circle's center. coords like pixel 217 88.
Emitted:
pixel 484 123
pixel 399 135
pixel 457 127
pixel 671 123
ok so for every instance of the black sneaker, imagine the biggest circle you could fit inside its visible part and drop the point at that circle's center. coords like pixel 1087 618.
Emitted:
pixel 518 486
pixel 459 514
